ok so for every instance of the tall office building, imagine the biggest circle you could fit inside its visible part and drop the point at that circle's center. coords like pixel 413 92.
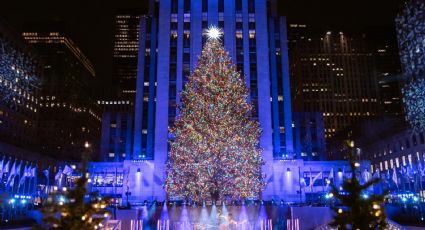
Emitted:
pixel 383 43
pixel 126 47
pixel 171 36
pixel 68 115
pixel 333 73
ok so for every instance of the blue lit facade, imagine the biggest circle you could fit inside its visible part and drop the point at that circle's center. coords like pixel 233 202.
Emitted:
pixel 169 45
pixel 171 36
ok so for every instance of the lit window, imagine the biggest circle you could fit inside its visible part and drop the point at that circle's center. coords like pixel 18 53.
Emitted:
pixel 403 159
pixel 386 165
pixel 111 155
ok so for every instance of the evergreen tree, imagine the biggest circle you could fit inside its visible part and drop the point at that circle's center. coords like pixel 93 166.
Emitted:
pixel 215 153
pixel 70 210
pixel 357 210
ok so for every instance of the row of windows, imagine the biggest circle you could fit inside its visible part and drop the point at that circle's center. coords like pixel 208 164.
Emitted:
pixel 404 160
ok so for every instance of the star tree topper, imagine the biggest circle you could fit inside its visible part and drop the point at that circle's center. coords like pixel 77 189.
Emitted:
pixel 214 32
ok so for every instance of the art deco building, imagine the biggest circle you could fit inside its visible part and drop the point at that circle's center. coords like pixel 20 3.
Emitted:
pixel 333 73
pixel 68 115
pixel 171 36
pixel 125 53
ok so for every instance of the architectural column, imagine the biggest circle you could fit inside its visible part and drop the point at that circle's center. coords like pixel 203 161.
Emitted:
pixel 274 88
pixel 195 32
pixel 179 67
pixel 263 80
pixel 245 32
pixel 286 88
pixel 161 119
pixel 229 29
pixel 140 78
pixel 212 12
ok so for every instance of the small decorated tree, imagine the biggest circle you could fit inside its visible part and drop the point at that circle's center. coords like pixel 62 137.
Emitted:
pixel 357 210
pixel 70 209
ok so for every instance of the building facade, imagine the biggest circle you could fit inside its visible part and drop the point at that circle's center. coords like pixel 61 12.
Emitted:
pixel 171 36
pixel 333 73
pixel 68 115
pixel 117 130
pixel 296 181
pixel 125 53
pixel 309 136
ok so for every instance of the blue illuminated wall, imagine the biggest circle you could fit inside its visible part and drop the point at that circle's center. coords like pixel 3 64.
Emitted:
pixel 170 40
pixel 171 37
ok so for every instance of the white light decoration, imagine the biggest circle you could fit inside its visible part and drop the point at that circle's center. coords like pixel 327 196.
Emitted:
pixel 18 78
pixel 214 32
pixel 414 102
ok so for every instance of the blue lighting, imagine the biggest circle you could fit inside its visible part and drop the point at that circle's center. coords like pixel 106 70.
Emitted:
pixel 404 199
pixel 415 199
pixel 23 201
pixel 12 201
pixel 365 196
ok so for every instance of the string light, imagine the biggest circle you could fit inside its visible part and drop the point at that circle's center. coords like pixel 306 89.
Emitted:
pixel 215 151
pixel 214 32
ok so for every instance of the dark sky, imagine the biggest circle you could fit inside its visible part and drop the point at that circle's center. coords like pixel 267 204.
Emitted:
pixel 90 22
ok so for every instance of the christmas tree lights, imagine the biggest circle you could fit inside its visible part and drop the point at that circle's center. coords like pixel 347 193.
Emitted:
pixel 215 153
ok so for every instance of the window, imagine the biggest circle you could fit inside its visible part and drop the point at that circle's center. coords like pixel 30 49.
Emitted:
pixel 391 164
pixel 403 159
pixel 220 5
pixel 111 155
pixel 238 6
pixel 186 6
pixel 204 5
pixel 386 165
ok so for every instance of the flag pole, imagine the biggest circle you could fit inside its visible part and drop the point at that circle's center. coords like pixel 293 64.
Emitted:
pixel 299 183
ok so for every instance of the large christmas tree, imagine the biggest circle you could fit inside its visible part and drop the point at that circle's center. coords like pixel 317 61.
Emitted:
pixel 215 153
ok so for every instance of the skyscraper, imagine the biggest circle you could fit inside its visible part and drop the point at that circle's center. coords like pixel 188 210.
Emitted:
pixel 171 36
pixel 68 115
pixel 333 73
pixel 126 47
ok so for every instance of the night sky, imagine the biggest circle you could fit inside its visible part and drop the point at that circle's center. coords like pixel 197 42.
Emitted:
pixel 90 22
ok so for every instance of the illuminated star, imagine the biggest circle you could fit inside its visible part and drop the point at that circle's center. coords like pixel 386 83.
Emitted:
pixel 214 32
